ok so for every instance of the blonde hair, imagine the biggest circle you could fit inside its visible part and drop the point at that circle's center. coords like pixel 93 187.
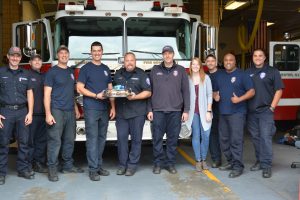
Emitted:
pixel 201 70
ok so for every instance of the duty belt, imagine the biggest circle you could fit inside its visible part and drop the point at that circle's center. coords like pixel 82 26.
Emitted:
pixel 14 107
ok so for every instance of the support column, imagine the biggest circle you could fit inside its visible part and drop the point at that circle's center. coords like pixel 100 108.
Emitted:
pixel 11 13
pixel 210 12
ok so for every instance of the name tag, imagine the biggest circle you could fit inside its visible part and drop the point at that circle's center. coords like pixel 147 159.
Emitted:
pixel 22 79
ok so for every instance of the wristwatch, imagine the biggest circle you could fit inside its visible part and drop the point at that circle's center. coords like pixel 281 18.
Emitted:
pixel 209 111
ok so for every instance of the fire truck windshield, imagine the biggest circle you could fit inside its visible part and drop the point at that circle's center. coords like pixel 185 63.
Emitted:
pixel 147 36
pixel 144 36
pixel 78 33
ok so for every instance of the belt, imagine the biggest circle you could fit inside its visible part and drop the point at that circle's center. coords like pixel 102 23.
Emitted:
pixel 14 107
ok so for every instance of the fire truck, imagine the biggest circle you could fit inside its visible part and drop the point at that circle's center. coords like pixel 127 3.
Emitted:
pixel 285 56
pixel 139 26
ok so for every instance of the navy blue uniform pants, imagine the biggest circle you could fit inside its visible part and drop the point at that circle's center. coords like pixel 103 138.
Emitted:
pixel 96 123
pixel 231 132
pixel 14 122
pixel 261 127
pixel 61 135
pixel 37 140
pixel 214 143
pixel 133 127
pixel 169 123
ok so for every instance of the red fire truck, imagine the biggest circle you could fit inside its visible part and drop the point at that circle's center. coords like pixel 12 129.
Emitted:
pixel 142 27
pixel 285 56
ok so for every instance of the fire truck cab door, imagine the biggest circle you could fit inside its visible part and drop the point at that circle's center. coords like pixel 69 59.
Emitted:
pixel 33 37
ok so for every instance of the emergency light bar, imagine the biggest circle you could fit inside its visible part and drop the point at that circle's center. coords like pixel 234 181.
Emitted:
pixel 74 8
pixel 173 10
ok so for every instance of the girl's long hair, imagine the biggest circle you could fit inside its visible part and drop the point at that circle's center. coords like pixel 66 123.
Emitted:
pixel 201 70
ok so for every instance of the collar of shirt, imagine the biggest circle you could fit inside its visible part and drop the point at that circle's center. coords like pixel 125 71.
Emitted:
pixel 16 71
pixel 168 69
pixel 127 74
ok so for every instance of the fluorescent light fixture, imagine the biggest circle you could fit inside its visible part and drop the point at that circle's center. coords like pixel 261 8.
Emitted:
pixel 232 5
pixel 270 23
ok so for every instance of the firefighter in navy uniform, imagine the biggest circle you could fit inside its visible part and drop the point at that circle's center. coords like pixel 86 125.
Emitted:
pixel 37 130
pixel 131 113
pixel 260 123
pixel 16 107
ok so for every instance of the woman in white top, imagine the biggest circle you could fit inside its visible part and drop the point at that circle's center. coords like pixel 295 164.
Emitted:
pixel 200 115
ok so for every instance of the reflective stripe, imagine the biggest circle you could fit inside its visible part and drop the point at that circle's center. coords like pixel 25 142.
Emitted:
pixel 289 102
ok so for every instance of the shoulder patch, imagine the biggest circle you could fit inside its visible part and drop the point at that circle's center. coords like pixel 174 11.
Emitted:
pixel 148 81
pixel 105 73
pixel 233 79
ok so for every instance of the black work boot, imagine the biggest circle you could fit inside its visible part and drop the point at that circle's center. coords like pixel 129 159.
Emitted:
pixel 94 176
pixel 255 167
pixel 38 167
pixel 52 174
pixel 2 180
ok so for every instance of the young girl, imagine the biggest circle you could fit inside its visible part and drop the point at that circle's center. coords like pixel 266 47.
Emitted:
pixel 200 116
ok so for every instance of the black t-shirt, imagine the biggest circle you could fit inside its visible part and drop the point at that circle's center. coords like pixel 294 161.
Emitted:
pixel 14 85
pixel 62 83
pixel 37 80
pixel 267 81
pixel 138 81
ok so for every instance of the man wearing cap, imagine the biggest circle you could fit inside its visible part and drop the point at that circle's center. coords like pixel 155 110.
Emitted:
pixel 61 111
pixel 131 114
pixel 16 107
pixel 94 78
pixel 37 130
pixel 169 105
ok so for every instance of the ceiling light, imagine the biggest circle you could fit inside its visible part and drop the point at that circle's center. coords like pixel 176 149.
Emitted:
pixel 232 5
pixel 270 23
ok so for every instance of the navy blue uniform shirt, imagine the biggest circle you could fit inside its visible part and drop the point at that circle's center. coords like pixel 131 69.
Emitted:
pixel 96 79
pixel 138 81
pixel 213 77
pixel 13 86
pixel 237 82
pixel 62 83
pixel 37 80
pixel 267 81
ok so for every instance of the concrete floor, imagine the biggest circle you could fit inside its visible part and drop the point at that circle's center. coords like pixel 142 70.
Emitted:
pixel 187 184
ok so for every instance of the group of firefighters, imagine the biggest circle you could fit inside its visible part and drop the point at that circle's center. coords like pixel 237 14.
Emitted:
pixel 40 110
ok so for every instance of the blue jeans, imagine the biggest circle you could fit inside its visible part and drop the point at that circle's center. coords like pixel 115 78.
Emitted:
pixel 200 138
pixel 61 135
pixel 133 127
pixel 96 123
pixel 169 123
pixel 14 122
pixel 231 129
pixel 262 128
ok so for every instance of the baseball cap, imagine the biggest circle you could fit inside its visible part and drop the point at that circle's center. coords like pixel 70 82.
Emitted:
pixel 14 50
pixel 62 47
pixel 167 48
pixel 35 56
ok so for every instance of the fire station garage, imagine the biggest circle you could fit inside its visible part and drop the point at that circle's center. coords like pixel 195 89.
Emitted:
pixel 240 131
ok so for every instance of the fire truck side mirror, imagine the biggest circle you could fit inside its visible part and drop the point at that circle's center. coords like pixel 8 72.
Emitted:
pixel 121 60
pixel 211 38
pixel 29 48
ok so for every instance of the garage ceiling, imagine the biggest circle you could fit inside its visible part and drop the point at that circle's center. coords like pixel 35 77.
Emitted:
pixel 284 13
